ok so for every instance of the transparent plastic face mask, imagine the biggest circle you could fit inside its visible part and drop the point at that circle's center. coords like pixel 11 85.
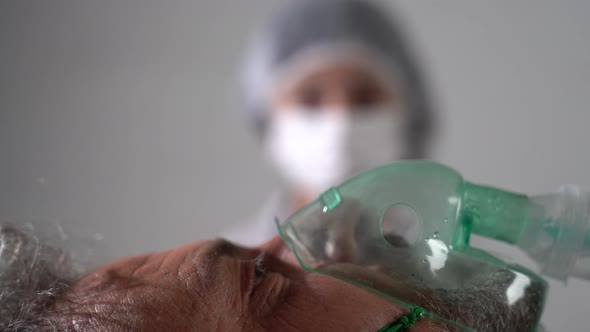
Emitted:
pixel 403 231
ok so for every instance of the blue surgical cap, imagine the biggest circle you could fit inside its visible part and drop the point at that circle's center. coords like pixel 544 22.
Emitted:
pixel 304 25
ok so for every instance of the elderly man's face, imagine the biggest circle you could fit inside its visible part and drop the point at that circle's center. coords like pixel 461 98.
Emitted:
pixel 216 286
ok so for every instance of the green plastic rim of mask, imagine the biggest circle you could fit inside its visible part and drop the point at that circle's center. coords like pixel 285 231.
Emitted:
pixel 436 193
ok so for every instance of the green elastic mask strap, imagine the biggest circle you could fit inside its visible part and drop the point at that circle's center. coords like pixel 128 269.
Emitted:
pixel 404 322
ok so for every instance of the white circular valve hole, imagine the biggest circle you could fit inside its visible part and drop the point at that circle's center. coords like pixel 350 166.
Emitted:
pixel 400 225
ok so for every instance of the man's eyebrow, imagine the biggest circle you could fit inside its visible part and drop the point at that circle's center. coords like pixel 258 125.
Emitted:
pixel 224 247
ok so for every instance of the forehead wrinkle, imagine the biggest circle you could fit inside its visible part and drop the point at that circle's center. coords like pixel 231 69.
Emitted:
pixel 125 308
pixel 87 313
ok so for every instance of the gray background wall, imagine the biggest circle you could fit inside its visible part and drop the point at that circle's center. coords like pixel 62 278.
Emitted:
pixel 119 117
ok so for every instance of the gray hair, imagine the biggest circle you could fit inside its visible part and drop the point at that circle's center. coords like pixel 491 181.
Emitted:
pixel 483 306
pixel 32 276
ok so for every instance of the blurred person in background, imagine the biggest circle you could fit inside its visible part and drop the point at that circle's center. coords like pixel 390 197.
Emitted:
pixel 332 90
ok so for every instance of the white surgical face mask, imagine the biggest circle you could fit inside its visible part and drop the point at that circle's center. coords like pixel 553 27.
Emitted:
pixel 314 150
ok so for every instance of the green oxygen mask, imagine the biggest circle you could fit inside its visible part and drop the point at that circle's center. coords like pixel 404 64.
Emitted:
pixel 403 231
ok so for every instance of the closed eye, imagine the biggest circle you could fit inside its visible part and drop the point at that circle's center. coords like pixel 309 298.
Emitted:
pixel 259 269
